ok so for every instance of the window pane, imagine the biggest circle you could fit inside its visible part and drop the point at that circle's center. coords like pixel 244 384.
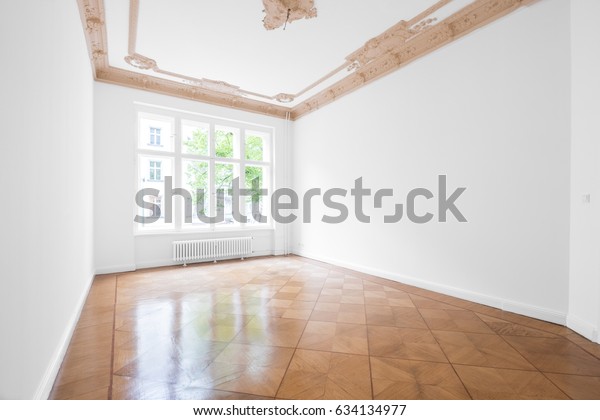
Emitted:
pixel 254 147
pixel 195 138
pixel 196 180
pixel 204 156
pixel 152 171
pixel 155 170
pixel 155 136
pixel 254 203
pixel 224 175
pixel 226 142
pixel 156 133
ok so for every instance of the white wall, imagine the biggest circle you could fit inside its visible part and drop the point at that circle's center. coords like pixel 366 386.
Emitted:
pixel 491 111
pixel 584 293
pixel 116 247
pixel 46 263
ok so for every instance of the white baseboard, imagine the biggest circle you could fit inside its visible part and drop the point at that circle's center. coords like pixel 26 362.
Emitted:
pixel 520 308
pixel 154 264
pixel 266 254
pixel 583 328
pixel 116 269
pixel 47 382
pixel 170 262
pixel 532 311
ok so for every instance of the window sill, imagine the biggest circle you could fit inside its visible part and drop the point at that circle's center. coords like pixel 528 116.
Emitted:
pixel 218 231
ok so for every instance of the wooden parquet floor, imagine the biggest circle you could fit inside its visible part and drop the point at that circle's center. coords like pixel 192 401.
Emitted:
pixel 294 328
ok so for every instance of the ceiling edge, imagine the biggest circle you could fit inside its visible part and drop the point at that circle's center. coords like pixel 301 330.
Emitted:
pixel 472 17
pixel 380 61
pixel 167 87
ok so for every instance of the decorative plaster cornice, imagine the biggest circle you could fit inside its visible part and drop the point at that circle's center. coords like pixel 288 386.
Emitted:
pixel 158 85
pixel 92 16
pixel 280 12
pixel 209 91
pixel 396 47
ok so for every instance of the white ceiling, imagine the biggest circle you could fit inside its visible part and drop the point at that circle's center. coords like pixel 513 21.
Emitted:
pixel 225 40
pixel 218 51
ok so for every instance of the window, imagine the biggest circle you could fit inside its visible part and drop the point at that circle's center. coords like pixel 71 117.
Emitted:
pixel 192 178
pixel 155 170
pixel 155 136
pixel 155 132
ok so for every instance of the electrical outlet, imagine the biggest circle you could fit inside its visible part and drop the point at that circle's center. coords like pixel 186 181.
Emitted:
pixel 586 199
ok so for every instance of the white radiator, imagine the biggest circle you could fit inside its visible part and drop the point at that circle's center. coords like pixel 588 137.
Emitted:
pixel 211 249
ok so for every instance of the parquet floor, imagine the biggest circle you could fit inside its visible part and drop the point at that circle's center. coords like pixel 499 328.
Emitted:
pixel 293 328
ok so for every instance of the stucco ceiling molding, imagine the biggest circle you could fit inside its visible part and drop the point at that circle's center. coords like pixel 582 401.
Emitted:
pixel 93 20
pixel 394 48
pixel 280 12
pixel 92 16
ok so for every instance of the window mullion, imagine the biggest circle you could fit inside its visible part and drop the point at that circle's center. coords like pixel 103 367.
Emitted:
pixel 242 167
pixel 211 173
pixel 177 173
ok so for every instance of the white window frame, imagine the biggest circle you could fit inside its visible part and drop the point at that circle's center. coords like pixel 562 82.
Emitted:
pixel 178 117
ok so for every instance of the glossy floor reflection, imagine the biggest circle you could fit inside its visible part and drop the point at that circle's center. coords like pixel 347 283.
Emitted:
pixel 293 328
